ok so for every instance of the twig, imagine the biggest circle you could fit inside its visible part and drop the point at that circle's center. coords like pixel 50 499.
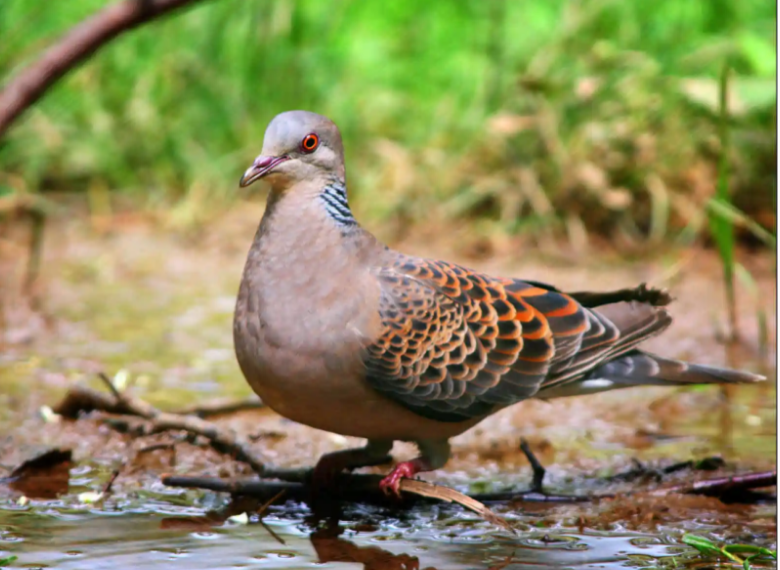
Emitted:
pixel 110 483
pixel 261 511
pixel 222 407
pixel 82 41
pixel 721 486
pixel 155 447
pixel 273 533
pixel 640 470
pixel 110 385
pixel 37 225
pixel 536 467
pixel 81 398
pixel 536 493
pixel 532 496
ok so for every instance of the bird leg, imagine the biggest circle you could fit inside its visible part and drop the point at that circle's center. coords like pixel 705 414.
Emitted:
pixel 330 465
pixel 433 455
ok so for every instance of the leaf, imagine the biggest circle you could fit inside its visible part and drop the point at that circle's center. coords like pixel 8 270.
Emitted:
pixel 749 548
pixel 89 497
pixel 730 213
pixel 760 54
pixel 242 518
pixel 8 560
pixel 703 545
pixel 708 548
pixel 746 565
pixel 449 495
pixel 756 93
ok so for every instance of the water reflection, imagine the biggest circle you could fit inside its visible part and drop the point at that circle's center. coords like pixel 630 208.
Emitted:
pixel 136 540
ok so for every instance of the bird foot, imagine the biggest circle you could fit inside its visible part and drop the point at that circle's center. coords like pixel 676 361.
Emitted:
pixel 391 485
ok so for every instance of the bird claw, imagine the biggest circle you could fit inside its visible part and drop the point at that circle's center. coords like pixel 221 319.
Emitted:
pixel 391 485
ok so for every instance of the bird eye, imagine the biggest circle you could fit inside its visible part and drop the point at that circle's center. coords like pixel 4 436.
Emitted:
pixel 310 143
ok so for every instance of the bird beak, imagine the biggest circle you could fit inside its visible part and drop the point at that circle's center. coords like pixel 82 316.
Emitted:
pixel 261 166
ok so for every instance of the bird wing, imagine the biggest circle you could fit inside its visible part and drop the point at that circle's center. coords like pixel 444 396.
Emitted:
pixel 456 344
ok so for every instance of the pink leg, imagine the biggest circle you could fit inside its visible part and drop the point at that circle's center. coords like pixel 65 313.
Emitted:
pixel 407 469
pixel 434 453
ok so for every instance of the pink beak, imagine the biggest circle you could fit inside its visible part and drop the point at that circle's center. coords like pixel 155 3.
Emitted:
pixel 261 166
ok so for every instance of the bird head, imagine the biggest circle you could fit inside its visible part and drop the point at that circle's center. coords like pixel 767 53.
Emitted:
pixel 298 146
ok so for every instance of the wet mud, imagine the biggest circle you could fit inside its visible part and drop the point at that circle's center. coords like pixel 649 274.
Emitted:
pixel 157 309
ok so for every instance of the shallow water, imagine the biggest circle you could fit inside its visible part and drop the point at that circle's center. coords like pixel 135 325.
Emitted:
pixel 160 308
pixel 157 538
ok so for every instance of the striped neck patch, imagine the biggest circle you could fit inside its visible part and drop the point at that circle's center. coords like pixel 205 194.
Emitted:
pixel 334 198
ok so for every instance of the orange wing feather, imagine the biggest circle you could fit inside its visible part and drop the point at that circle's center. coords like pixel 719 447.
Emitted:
pixel 457 344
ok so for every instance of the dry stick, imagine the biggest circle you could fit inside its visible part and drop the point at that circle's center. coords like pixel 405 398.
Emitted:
pixel 110 483
pixel 722 485
pixel 77 45
pixel 222 407
pixel 110 385
pixel 261 512
pixel 223 440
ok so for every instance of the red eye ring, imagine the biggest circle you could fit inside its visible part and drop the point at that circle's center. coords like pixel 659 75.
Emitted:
pixel 310 143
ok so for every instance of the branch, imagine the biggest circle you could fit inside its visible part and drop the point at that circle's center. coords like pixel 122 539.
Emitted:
pixel 356 488
pixel 222 407
pixel 81 42
pixel 83 399
pixel 723 487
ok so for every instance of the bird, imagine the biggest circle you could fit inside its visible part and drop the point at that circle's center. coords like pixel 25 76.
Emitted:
pixel 335 330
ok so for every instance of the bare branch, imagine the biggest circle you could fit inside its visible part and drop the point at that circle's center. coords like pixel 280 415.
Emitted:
pixel 222 407
pixel 77 45
pixel 83 399
pixel 363 488
pixel 723 486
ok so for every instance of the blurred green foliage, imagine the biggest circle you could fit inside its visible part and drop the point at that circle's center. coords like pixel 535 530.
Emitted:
pixel 589 115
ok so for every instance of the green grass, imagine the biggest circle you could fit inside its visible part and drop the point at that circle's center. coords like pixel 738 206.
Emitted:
pixel 742 554
pixel 562 115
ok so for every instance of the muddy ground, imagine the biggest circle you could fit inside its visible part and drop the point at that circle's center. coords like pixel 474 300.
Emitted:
pixel 159 306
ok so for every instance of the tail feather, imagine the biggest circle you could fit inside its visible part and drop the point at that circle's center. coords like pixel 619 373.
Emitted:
pixel 639 368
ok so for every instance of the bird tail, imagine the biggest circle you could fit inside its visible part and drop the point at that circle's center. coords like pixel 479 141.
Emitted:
pixel 639 368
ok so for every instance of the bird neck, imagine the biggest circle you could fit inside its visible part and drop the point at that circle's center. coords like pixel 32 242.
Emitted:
pixel 333 197
pixel 326 195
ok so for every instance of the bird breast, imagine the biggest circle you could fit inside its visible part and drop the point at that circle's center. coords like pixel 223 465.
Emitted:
pixel 306 309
